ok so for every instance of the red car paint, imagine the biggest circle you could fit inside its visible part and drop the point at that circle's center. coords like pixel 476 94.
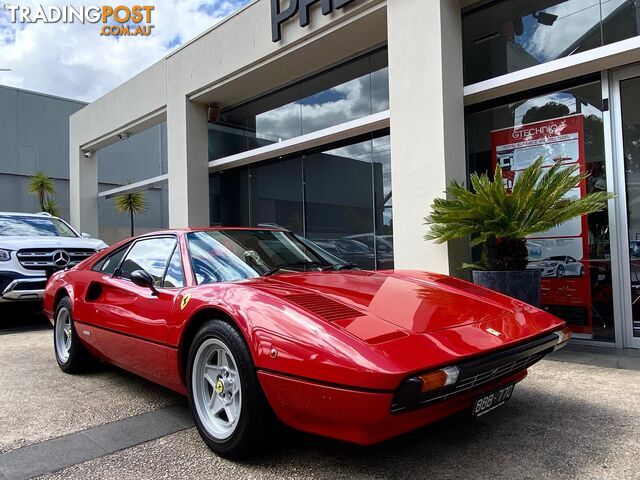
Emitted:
pixel 333 372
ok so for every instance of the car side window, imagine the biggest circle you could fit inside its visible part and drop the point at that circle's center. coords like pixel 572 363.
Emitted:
pixel 174 278
pixel 109 263
pixel 150 255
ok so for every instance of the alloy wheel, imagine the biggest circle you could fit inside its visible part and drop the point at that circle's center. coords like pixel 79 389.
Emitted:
pixel 64 334
pixel 217 390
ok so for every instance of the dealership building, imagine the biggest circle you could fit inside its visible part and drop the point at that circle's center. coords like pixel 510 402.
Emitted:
pixel 343 120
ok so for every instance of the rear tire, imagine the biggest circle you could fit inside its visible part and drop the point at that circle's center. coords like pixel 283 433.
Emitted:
pixel 71 354
pixel 225 397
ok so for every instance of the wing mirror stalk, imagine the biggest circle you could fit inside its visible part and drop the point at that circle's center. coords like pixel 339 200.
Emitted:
pixel 143 279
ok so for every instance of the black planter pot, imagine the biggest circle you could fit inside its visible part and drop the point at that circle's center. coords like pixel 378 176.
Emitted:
pixel 521 284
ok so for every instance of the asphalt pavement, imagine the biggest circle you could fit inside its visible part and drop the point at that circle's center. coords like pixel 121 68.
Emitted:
pixel 567 420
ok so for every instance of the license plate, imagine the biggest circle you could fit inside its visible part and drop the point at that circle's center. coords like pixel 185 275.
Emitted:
pixel 491 401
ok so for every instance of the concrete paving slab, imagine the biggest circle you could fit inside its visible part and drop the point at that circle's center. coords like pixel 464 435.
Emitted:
pixel 63 452
pixel 37 459
pixel 134 430
pixel 39 402
pixel 565 421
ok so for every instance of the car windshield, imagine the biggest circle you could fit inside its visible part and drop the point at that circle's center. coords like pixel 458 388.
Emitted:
pixel 557 259
pixel 229 255
pixel 28 226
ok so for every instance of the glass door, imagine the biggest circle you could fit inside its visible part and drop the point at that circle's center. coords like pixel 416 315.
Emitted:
pixel 626 136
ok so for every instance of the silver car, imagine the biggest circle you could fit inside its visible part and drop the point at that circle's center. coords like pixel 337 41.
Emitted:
pixel 558 266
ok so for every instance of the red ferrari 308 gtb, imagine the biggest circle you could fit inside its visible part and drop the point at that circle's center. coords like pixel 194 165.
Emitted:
pixel 246 322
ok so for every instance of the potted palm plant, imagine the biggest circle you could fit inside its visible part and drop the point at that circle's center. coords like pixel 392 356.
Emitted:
pixel 500 219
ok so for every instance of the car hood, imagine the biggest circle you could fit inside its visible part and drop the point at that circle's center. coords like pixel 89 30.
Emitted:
pixel 413 304
pixel 441 317
pixel 19 242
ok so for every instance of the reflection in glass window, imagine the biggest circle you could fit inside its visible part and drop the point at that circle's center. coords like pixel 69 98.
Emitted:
pixel 629 94
pixel 338 196
pixel 337 96
pixel 338 201
pixel 510 35
pixel 109 263
pixel 576 271
pixel 212 261
pixel 381 156
pixel 276 194
pixel 347 92
pixel 229 197
pixel 150 255
pixel 174 278
pixel 34 226
pixel 274 118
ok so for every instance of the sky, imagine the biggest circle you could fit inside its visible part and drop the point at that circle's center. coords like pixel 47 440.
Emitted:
pixel 74 61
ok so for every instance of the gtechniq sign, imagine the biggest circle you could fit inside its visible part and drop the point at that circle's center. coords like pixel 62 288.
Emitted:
pixel 279 15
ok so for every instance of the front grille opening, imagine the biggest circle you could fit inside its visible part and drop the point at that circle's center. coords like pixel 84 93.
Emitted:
pixel 487 368
pixel 43 258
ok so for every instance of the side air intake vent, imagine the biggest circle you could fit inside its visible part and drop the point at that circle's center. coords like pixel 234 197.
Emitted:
pixel 323 307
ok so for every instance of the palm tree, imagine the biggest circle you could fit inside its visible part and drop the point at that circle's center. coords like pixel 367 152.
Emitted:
pixel 51 207
pixel 131 203
pixel 495 216
pixel 41 185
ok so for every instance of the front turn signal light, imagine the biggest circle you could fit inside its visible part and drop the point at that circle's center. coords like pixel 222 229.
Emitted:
pixel 439 378
pixel 563 337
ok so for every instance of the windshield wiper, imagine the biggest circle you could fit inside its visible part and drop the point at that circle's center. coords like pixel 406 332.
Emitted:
pixel 305 263
pixel 341 266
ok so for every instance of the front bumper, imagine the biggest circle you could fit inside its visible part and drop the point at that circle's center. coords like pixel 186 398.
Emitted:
pixel 365 417
pixel 479 371
pixel 22 289
pixel 356 416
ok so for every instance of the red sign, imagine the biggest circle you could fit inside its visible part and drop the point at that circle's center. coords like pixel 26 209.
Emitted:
pixel 562 253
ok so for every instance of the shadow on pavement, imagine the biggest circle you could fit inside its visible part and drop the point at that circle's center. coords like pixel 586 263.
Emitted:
pixel 534 436
pixel 22 317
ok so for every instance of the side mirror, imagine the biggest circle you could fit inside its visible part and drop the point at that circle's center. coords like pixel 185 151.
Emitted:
pixel 143 279
pixel 85 235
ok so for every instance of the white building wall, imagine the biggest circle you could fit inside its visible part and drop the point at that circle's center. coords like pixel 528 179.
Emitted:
pixel 427 124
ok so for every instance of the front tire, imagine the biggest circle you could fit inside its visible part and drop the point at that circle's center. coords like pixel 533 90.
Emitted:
pixel 71 355
pixel 225 397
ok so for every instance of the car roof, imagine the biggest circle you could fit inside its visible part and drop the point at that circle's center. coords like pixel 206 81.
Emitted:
pixel 20 214
pixel 210 229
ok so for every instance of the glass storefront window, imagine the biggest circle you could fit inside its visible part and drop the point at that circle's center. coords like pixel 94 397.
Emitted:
pixel 574 258
pixel 338 196
pixel 339 201
pixel 509 35
pixel 276 194
pixel 381 153
pixel 347 92
pixel 629 99
pixel 229 198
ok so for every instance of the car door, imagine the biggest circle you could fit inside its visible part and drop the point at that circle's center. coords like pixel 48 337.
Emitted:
pixel 133 320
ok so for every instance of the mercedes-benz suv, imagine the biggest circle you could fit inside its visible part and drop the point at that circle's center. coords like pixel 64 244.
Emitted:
pixel 32 247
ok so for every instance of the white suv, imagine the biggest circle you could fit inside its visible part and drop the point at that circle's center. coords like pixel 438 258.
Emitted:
pixel 32 247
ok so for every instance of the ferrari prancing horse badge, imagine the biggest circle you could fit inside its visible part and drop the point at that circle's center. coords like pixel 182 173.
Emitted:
pixel 185 301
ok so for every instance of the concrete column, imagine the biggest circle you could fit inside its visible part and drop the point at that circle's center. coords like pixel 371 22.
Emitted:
pixel 83 185
pixel 188 163
pixel 427 124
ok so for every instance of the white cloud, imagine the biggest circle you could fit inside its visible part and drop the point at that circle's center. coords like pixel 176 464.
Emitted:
pixel 73 60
